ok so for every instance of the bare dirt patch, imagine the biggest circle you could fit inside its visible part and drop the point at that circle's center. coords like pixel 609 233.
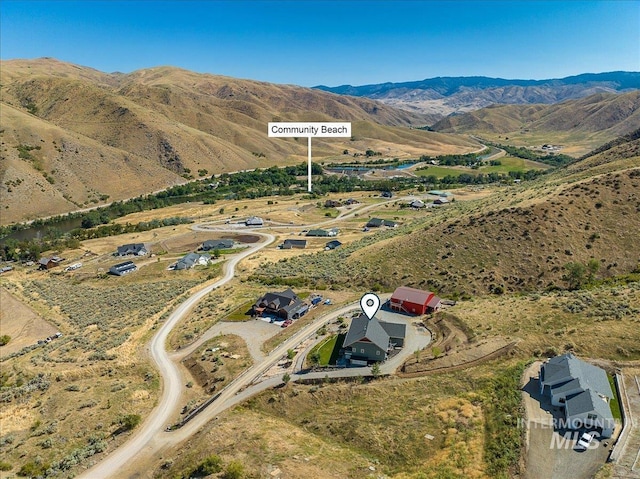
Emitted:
pixel 217 362
pixel 453 349
pixel 22 323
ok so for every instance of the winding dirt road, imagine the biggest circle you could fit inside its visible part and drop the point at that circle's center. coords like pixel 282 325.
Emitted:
pixel 171 379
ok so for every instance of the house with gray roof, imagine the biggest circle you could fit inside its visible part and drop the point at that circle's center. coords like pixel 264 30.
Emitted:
pixel 582 389
pixel 371 339
pixel 190 260
pixel 333 244
pixel 294 243
pixel 133 249
pixel 121 269
pixel 212 245
pixel 323 233
pixel 285 304
pixel 254 221
pixel 377 223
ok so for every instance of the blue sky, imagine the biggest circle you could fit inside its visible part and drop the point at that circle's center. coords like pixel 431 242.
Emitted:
pixel 332 42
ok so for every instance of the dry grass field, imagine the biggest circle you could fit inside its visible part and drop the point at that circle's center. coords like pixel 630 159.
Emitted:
pixel 552 323
pixel 21 323
pixel 427 428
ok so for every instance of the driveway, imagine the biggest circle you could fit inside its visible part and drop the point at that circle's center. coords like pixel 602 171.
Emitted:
pixel 550 453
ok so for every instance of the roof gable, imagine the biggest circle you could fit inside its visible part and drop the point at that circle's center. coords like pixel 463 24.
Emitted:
pixel 567 367
pixel 412 295
pixel 363 328
pixel 588 402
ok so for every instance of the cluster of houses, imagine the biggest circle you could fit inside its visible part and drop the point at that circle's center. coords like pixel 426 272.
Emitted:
pixel 372 340
pixel 315 233
pixel 582 390
pixel 188 261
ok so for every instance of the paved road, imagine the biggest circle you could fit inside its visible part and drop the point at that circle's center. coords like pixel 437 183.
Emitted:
pixel 171 378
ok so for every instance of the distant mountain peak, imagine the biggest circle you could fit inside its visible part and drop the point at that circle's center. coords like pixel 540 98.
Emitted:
pixel 446 95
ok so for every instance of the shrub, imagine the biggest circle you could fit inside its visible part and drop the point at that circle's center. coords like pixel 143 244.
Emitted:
pixel 210 465
pixel 5 466
pixel 4 339
pixel 127 423
pixel 234 470
pixel 33 469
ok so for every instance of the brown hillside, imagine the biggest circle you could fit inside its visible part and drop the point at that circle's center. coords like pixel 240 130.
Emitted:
pixel 120 135
pixel 591 120
pixel 593 214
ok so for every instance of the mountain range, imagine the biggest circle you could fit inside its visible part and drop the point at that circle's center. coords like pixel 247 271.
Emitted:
pixel 442 96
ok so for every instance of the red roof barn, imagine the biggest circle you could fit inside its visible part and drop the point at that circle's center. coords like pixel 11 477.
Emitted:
pixel 414 301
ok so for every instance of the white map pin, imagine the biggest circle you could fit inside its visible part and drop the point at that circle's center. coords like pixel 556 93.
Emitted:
pixel 370 304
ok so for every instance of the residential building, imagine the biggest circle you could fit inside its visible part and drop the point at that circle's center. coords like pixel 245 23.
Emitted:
pixel 377 223
pixel 582 389
pixel 414 301
pixel 211 245
pixel 190 260
pixel 417 204
pixel 333 244
pixel 441 201
pixel 332 204
pixel 294 243
pixel 285 305
pixel 323 233
pixel 254 221
pixel 121 269
pixel 371 339
pixel 48 263
pixel 134 249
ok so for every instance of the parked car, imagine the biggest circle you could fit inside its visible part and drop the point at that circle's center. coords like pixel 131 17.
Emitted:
pixel 288 322
pixel 584 441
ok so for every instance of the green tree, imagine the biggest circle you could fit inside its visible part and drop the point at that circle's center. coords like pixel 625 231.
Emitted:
pixel 575 275
pixel 127 423
pixel 286 377
pixel 315 357
pixel 375 369
pixel 291 354
pixel 4 339
pixel 592 268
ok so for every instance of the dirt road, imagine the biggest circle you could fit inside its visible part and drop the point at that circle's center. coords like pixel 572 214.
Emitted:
pixel 171 378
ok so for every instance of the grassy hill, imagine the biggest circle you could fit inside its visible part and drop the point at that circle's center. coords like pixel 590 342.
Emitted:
pixel 583 124
pixel 518 239
pixel 75 137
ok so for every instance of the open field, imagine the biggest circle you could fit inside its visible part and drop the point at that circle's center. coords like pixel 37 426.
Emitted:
pixel 431 427
pixel 508 164
pixel 553 323
pixel 21 323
